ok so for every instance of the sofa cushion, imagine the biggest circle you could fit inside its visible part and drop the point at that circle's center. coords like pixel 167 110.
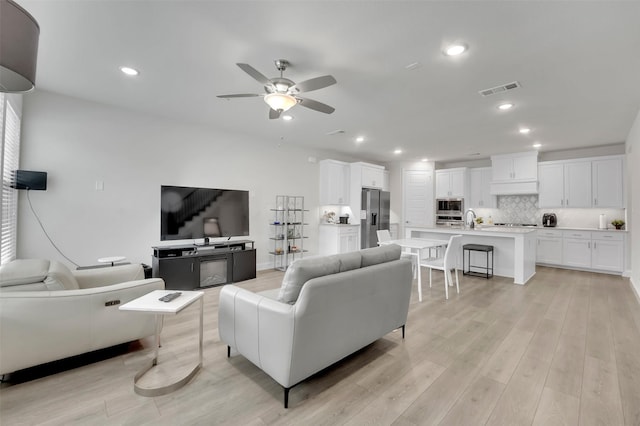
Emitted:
pixel 382 254
pixel 349 261
pixel 23 271
pixel 60 275
pixel 301 271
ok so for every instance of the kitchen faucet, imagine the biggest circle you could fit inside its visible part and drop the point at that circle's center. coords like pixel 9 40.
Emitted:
pixel 466 216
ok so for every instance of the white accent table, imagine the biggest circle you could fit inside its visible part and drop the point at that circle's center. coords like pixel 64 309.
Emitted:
pixel 112 260
pixel 149 303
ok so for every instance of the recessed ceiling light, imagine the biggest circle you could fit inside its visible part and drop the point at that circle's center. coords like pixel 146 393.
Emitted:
pixel 424 159
pixel 129 71
pixel 287 117
pixel 537 145
pixel 505 106
pixel 455 49
pixel 397 151
pixel 524 130
pixel 360 139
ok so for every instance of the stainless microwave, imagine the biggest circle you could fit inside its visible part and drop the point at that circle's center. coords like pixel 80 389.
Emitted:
pixel 450 205
pixel 449 211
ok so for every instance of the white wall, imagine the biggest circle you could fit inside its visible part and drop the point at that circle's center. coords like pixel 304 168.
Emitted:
pixel 79 143
pixel 633 201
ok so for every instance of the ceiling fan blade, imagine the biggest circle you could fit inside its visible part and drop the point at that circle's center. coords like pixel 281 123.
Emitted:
pixel 315 83
pixel 315 105
pixel 255 74
pixel 273 114
pixel 239 95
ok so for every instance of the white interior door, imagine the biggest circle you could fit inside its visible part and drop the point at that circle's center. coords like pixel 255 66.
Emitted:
pixel 418 202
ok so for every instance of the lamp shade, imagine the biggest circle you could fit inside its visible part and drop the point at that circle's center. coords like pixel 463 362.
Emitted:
pixel 280 101
pixel 19 33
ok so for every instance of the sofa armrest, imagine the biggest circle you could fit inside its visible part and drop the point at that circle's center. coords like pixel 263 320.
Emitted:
pixel 259 328
pixel 98 277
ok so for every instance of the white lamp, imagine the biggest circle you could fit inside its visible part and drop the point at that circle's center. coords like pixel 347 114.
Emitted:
pixel 280 101
pixel 19 33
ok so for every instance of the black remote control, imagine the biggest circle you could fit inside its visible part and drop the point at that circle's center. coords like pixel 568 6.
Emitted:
pixel 169 297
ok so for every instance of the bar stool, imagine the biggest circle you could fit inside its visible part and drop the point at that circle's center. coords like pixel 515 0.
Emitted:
pixel 466 260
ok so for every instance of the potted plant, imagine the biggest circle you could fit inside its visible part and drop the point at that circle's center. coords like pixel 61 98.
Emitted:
pixel 618 223
pixel 479 221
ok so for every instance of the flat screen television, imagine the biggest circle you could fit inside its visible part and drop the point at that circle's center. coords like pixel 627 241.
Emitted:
pixel 27 179
pixel 191 213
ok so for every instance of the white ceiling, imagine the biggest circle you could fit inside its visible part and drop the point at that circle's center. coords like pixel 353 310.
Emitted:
pixel 578 63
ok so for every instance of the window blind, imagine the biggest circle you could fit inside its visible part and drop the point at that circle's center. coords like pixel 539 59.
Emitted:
pixel 10 132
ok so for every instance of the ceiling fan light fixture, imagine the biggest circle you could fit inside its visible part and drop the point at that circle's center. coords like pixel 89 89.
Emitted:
pixel 280 101
pixel 19 34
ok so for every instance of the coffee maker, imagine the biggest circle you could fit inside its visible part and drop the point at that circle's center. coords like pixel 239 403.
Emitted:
pixel 549 220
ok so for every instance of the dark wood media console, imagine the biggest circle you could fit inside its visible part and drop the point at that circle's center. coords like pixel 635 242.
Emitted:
pixel 190 267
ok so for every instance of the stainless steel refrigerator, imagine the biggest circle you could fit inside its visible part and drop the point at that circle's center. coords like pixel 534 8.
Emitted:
pixel 374 215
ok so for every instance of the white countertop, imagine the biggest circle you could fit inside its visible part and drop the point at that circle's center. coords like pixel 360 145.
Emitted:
pixel 500 231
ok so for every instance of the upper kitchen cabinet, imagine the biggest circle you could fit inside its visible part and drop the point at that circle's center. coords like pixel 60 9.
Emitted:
pixel 372 176
pixel 564 184
pixel 607 182
pixel 509 167
pixel 590 182
pixel 480 189
pixel 514 173
pixel 334 182
pixel 451 183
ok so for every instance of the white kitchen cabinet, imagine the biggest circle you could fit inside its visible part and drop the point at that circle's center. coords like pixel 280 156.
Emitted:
pixel 607 252
pixel 607 182
pixel 451 183
pixel 334 182
pixel 600 251
pixel 334 239
pixel 515 167
pixel 549 250
pixel 480 189
pixel 550 185
pixel 591 182
pixel 564 184
pixel 576 249
pixel 372 176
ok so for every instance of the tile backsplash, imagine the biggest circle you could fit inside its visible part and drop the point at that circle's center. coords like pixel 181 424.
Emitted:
pixel 524 209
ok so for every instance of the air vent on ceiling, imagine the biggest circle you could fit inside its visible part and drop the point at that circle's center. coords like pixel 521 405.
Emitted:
pixel 335 132
pixel 498 89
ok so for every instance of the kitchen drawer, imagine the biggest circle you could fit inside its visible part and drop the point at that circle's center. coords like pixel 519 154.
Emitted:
pixel 348 230
pixel 556 233
pixel 581 235
pixel 607 236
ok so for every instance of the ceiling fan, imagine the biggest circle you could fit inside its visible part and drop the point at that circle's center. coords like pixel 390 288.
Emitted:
pixel 282 93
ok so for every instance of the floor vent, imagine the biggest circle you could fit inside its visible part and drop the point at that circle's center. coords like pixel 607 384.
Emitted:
pixel 498 89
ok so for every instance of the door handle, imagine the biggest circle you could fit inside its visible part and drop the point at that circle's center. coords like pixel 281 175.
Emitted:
pixel 374 217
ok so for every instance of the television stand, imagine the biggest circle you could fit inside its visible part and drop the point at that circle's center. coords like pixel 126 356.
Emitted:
pixel 195 266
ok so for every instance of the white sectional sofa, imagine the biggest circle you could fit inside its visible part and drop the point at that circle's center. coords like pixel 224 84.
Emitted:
pixel 48 312
pixel 326 309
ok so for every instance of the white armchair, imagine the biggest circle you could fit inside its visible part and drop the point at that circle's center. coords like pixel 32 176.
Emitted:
pixel 48 312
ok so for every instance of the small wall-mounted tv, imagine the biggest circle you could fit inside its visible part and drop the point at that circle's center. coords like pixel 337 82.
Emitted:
pixel 191 213
pixel 27 179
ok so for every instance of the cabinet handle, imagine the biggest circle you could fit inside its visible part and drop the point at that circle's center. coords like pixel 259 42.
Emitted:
pixel 562 202
pixel 589 244
pixel 595 201
pixel 594 244
pixel 567 203
pixel 192 267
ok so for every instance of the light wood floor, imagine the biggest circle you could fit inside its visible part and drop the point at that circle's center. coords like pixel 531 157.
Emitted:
pixel 564 349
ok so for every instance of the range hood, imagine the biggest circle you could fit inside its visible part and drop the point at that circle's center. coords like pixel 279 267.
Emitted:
pixel 514 188
pixel 514 174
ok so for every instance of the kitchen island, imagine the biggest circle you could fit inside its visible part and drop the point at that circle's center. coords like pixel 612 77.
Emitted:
pixel 514 248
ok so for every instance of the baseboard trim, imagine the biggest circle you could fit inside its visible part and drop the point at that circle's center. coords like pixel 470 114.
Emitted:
pixel 635 290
